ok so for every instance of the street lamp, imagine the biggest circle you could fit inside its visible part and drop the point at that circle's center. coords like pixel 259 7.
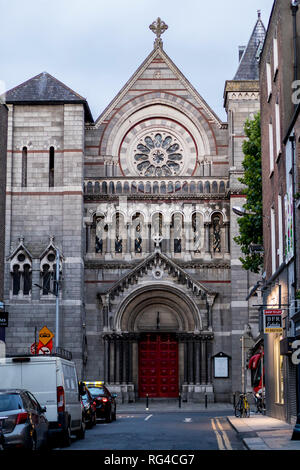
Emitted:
pixel 241 211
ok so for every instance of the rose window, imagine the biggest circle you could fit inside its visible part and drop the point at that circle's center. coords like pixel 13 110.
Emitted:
pixel 158 155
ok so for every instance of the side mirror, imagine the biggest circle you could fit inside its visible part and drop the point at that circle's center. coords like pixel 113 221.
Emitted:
pixel 43 409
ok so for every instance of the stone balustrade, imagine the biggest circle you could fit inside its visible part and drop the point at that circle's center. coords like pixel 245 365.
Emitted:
pixel 145 186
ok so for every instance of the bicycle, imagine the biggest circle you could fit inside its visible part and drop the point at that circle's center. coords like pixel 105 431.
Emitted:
pixel 242 408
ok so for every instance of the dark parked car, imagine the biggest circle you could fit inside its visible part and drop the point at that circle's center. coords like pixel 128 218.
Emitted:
pixel 23 421
pixel 106 406
pixel 89 405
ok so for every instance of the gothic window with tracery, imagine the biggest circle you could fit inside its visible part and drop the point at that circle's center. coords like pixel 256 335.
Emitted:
pixel 21 274
pixel 159 154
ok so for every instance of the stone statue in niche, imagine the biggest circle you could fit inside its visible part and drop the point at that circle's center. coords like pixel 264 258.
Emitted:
pixel 216 235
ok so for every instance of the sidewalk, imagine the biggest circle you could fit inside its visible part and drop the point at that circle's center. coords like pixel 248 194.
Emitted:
pixel 260 432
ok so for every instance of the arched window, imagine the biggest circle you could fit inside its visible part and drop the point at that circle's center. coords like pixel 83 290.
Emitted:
pixel 46 276
pixel 176 231
pixel 51 167
pixel 24 167
pixel 99 235
pixel 197 227
pixel 216 226
pixel 118 232
pixel 16 279
pixel 27 280
pixel 137 227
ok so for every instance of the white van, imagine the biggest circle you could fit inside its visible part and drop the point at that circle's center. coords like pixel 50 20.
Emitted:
pixel 53 381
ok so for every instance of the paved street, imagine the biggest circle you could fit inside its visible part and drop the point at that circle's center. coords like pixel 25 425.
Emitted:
pixel 162 431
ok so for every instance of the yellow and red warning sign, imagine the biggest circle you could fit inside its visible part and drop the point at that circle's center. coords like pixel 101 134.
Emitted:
pixel 45 343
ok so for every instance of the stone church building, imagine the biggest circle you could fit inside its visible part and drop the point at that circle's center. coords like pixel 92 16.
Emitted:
pixel 137 204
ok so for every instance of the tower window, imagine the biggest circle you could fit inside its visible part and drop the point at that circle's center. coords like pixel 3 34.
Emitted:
pixel 24 167
pixel 51 167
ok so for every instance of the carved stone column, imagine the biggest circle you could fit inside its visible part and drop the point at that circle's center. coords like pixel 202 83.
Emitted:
pixel 207 237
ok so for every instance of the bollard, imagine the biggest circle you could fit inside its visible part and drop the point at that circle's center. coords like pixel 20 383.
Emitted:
pixel 179 400
pixel 234 400
pixel 147 402
pixel 205 400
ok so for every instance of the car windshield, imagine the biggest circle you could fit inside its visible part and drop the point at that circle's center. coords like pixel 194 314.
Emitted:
pixel 96 391
pixel 10 401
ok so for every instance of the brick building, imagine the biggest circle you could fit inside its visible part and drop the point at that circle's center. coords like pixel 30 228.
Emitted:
pixel 138 203
pixel 278 71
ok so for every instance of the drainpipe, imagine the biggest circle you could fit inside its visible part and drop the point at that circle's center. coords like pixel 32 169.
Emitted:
pixel 294 8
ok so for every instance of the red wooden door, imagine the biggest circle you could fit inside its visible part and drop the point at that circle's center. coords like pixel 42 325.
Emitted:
pixel 158 366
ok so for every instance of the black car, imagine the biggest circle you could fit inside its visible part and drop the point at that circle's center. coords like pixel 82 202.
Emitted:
pixel 89 405
pixel 106 406
pixel 24 424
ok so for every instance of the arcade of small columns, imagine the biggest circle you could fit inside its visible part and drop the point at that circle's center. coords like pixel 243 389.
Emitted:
pixel 190 231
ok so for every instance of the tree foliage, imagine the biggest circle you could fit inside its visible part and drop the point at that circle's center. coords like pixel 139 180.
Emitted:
pixel 250 226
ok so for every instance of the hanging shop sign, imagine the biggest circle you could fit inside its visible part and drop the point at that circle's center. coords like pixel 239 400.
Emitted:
pixel 273 321
pixel 296 353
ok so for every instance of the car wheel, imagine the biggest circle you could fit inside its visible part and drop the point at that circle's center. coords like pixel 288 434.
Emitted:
pixel 109 416
pixel 66 438
pixel 81 433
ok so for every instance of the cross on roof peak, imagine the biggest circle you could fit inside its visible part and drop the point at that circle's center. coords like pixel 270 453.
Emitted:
pixel 158 27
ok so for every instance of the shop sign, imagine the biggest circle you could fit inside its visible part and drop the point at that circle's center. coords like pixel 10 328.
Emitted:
pixel 296 353
pixel 273 321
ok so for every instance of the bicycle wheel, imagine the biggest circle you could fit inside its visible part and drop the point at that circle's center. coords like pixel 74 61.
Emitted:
pixel 238 409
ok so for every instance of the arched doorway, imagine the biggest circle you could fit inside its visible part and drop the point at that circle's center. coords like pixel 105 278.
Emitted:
pixel 156 345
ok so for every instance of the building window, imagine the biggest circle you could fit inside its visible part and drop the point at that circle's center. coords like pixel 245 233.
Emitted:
pixel 269 80
pixel 16 275
pixel 275 56
pixel 51 167
pixel 216 223
pixel 280 231
pixel 278 133
pixel 271 148
pixel 273 240
pixel 24 167
pixel 278 372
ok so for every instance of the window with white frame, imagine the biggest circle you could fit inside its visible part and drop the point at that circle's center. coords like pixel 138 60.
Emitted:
pixel 271 147
pixel 277 126
pixel 273 240
pixel 280 231
pixel 275 55
pixel 269 80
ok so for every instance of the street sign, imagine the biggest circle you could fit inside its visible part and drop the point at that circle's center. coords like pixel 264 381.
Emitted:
pixel 3 318
pixel 273 321
pixel 44 350
pixel 296 353
pixel 45 335
pixel 33 348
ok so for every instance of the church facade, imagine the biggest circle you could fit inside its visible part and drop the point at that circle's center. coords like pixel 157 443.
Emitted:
pixel 134 210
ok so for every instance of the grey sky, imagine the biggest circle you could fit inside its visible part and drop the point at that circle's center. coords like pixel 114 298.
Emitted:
pixel 94 46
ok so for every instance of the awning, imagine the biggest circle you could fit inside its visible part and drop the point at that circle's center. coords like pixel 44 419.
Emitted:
pixel 253 361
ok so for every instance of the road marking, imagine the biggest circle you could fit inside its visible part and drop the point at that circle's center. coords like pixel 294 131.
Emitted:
pixel 224 435
pixel 219 438
pixel 222 438
pixel 148 417
pixel 187 420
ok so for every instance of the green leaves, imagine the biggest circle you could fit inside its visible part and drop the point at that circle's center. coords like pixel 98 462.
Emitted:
pixel 250 226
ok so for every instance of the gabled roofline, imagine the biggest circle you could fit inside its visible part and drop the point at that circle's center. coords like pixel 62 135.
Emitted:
pixel 140 70
pixel 143 265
